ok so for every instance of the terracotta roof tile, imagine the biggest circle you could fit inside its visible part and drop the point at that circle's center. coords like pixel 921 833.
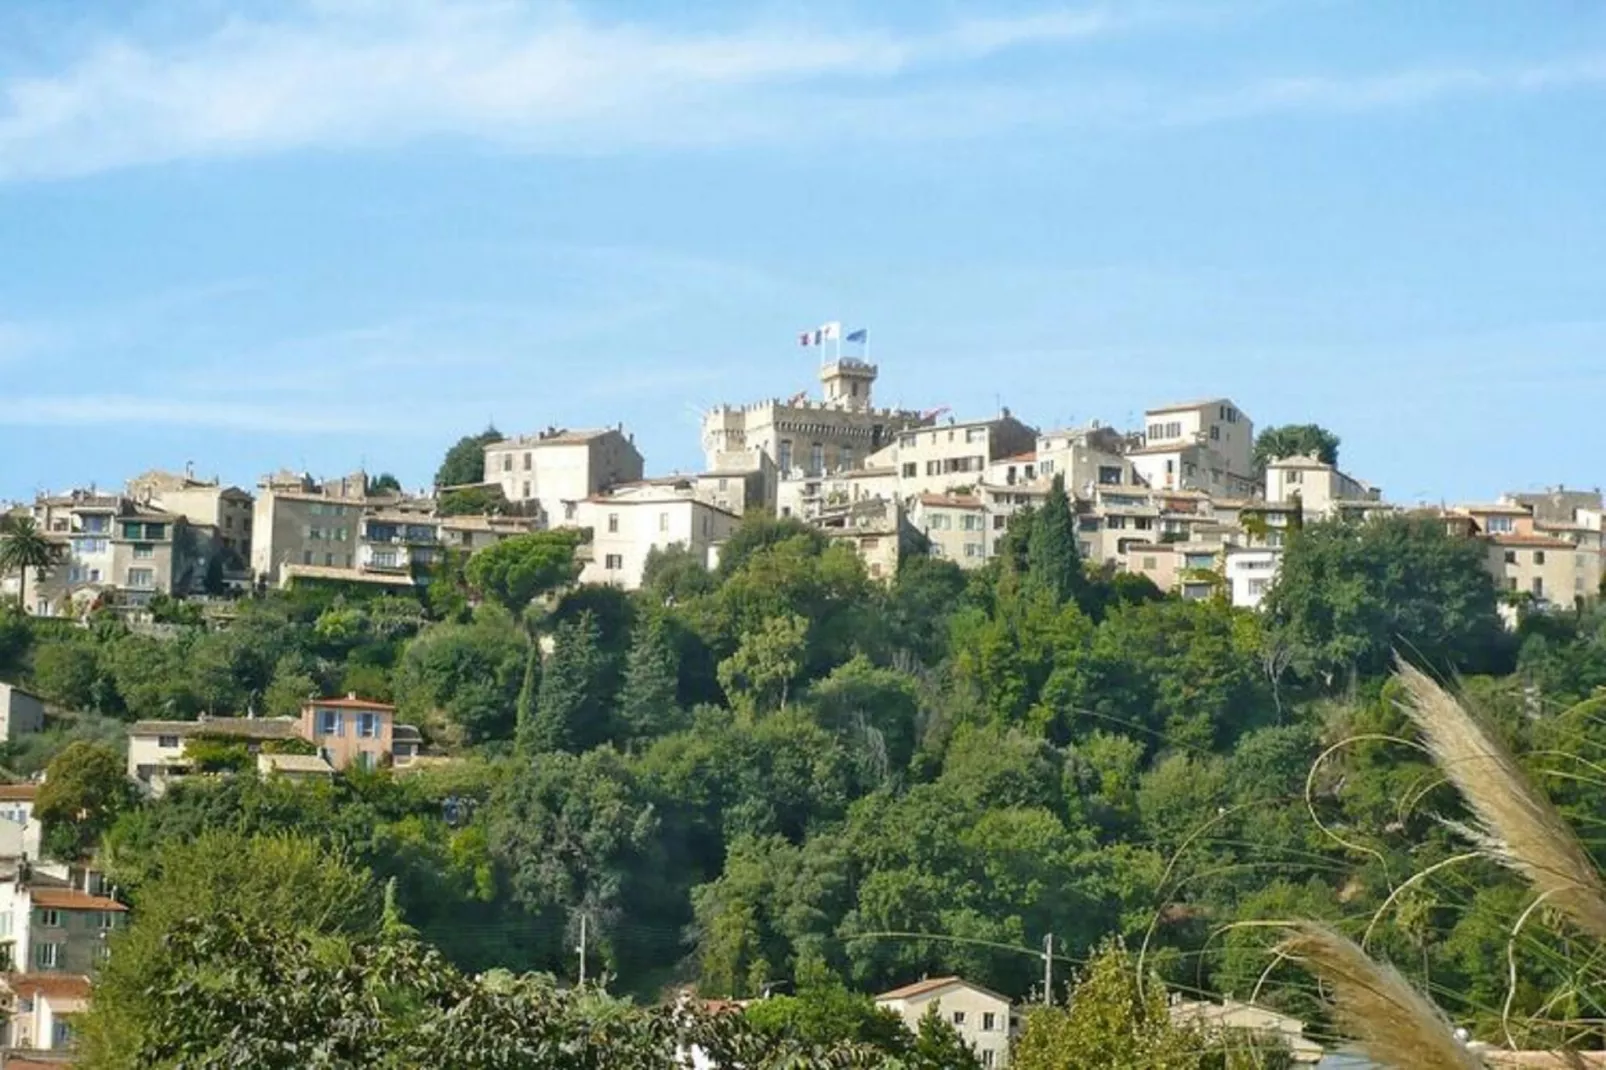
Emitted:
pixel 920 988
pixel 944 501
pixel 1538 542
pixel 72 899
pixel 350 704
pixel 49 985
pixel 18 792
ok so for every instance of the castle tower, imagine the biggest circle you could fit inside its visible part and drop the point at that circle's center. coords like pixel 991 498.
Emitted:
pixel 847 382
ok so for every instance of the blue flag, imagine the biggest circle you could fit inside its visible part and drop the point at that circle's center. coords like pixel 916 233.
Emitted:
pixel 860 335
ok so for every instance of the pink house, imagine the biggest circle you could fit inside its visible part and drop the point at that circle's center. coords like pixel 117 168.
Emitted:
pixel 353 731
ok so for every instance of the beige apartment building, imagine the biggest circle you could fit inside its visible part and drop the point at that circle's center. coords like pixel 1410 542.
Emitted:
pixel 1553 571
pixel 1087 457
pixel 877 528
pixel 224 512
pixel 557 469
pixel 953 457
pixel 737 491
pixel 1321 489
pixel 1198 445
pixel 800 437
pixel 807 497
pixel 631 521
pixel 300 521
pixel 471 534
pixel 116 553
pixel 955 526
pixel 983 1019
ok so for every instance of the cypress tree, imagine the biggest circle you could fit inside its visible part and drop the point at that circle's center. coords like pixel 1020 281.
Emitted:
pixel 1054 562
pixel 647 700
pixel 524 737
pixel 569 715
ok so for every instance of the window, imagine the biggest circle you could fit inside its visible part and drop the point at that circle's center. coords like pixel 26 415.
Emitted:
pixel 306 557
pixel 959 1017
pixel 1539 587
pixel 367 760
pixel 783 455
pixel 976 434
pixel 1115 523
pixel 844 457
pixel 1511 557
pixel 384 559
pixel 46 956
pixel 975 550
pixel 1256 586
pixel 61 1033
pixel 1511 583
pixel 933 468
pixel 1215 433
pixel 1156 431
pixel 910 470
pixel 1500 525
pixel 816 458
pixel 50 919
pixel 663 521
pixel 613 562
pixel 1151 563
pixel 526 462
pixel 507 462
pixel 939 522
pixel 329 723
pixel 526 493
pixel 972 522
pixel 987 1057
pixel 97 525
pixel 1539 557
pixel 1000 521
pixel 613 523
pixel 144 550
pixel 1109 475
pixel 989 1022
pixel 368 725
pixel 107 920
pixel 329 560
pixel 167 742
pixel 906 440
pixel 142 579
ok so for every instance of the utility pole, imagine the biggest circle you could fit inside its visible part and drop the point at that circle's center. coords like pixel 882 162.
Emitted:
pixel 1048 970
pixel 582 950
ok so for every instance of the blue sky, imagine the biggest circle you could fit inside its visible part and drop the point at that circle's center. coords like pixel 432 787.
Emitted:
pixel 323 233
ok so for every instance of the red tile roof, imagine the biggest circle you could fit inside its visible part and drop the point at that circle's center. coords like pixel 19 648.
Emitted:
pixel 18 792
pixel 920 988
pixel 1032 456
pixel 49 985
pixel 72 899
pixel 1539 542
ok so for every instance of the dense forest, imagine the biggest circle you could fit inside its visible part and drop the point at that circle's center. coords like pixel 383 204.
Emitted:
pixel 781 774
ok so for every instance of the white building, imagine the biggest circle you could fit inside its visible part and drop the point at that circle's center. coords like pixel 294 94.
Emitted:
pixel 558 469
pixel 955 527
pixel 983 1019
pixel 1321 489
pixel 631 521
pixel 21 834
pixel 1250 572
pixel 1198 445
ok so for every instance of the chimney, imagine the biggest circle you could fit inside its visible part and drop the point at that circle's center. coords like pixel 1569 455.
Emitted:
pixel 352 695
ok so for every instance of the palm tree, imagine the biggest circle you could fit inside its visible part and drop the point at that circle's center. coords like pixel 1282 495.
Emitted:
pixel 23 547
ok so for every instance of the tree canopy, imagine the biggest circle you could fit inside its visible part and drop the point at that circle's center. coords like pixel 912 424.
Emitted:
pixel 1294 440
pixel 465 462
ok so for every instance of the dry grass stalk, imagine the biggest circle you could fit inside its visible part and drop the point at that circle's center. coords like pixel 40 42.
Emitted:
pixel 1516 825
pixel 1394 1024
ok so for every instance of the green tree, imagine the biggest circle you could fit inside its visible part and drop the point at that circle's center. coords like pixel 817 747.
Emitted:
pixel 647 706
pixel 283 884
pixel 570 714
pixel 1054 560
pixel 462 680
pixel 67 672
pixel 1349 594
pixel 465 461
pixel 24 549
pixel 675 574
pixel 1295 440
pixel 85 788
pixel 761 672
pixel 1112 1023
pixel 759 531
pixel 384 483
pixel 516 571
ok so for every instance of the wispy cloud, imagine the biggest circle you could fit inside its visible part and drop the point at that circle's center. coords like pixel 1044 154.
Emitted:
pixel 125 409
pixel 337 74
